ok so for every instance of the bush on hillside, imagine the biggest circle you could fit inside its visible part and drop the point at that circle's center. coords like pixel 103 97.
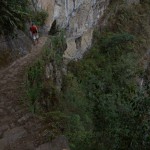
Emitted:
pixel 13 14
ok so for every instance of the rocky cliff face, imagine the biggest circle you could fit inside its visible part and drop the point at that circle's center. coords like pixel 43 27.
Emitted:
pixel 78 17
pixel 11 48
pixel 22 43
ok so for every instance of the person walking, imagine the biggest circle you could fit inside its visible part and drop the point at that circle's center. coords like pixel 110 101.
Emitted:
pixel 34 33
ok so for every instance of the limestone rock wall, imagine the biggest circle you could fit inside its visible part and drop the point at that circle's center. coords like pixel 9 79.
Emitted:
pixel 78 17
pixel 48 5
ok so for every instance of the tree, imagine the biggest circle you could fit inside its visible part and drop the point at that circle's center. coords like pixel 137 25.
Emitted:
pixel 13 13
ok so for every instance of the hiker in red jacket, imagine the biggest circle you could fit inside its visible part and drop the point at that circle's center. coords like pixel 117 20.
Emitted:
pixel 34 33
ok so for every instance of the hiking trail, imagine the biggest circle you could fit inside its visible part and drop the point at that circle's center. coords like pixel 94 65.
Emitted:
pixel 19 128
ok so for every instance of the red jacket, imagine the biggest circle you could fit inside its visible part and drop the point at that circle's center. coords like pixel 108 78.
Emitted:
pixel 33 29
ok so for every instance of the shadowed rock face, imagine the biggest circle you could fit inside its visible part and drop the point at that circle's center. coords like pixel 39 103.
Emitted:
pixel 12 48
pixel 21 43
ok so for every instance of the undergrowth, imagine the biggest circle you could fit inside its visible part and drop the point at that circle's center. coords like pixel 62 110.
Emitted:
pixel 100 105
pixel 38 86
pixel 38 17
pixel 42 95
pixel 101 94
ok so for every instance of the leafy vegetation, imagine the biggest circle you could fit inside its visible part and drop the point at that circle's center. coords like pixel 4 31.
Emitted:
pixel 41 91
pixel 13 14
pixel 101 106
pixel 115 106
pixel 39 17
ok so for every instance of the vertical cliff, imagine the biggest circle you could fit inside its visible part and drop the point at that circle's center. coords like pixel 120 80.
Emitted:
pixel 78 17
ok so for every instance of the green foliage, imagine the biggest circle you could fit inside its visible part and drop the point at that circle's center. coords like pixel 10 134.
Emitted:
pixel 39 17
pixel 77 133
pixel 111 98
pixel 39 89
pixel 57 122
pixel 101 106
pixel 145 2
pixel 106 77
pixel 116 39
pixel 34 84
pixel 13 14
pixel 77 108
pixel 133 19
pixel 42 95
pixel 57 47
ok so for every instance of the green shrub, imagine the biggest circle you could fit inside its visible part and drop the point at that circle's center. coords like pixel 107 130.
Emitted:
pixel 107 77
pixel 34 85
pixel 13 15
pixel 100 105
pixel 42 93
pixel 39 17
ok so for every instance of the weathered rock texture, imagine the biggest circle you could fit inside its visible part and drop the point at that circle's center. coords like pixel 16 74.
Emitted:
pixel 78 17
pixel 21 43
pixel 11 48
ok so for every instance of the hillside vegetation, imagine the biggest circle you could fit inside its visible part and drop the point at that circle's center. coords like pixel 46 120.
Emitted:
pixel 108 108
pixel 16 13
pixel 13 13
pixel 16 16
pixel 101 105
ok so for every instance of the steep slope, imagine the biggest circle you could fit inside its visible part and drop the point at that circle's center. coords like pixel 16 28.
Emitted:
pixel 20 129
pixel 78 17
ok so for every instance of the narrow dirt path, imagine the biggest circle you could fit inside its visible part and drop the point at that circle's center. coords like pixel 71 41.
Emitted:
pixel 19 129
